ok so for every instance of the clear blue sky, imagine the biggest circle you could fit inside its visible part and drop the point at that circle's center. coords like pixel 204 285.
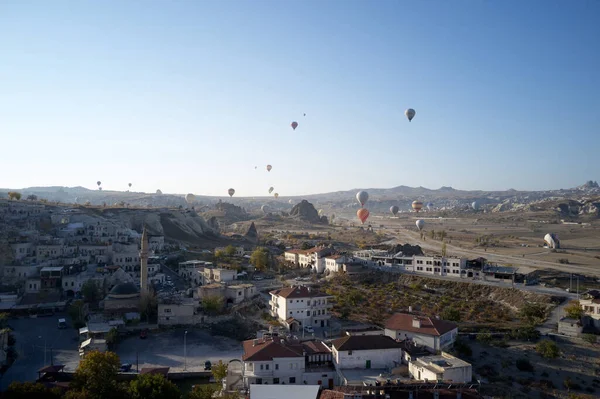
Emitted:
pixel 190 96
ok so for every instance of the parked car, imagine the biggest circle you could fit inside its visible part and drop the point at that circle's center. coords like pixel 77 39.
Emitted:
pixel 309 329
pixel 207 365
pixel 125 368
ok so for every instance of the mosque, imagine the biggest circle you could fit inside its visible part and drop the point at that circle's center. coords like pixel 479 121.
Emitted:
pixel 125 297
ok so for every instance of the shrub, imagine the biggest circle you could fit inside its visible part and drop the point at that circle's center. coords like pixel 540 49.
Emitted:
pixel 524 365
pixel 547 349
pixel 591 338
pixel 462 348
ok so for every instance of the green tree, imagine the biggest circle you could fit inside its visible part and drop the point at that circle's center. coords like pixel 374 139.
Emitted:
pixel 203 391
pixel 32 197
pixel 219 254
pixel 153 386
pixel 444 249
pixel 451 314
pixel 13 195
pixel 547 349
pixel 77 312
pixel 574 310
pixel 3 320
pixel 219 371
pixel 484 336
pixel 306 245
pixel 90 291
pixel 96 375
pixel 442 234
pixel 230 250
pixel 31 390
pixel 432 234
pixel 212 304
pixel 112 337
pixel 533 312
pixel 260 258
pixel 148 306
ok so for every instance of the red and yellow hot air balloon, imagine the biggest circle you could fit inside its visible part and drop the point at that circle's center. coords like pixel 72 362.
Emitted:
pixel 269 167
pixel 417 205
pixel 362 214
pixel 294 125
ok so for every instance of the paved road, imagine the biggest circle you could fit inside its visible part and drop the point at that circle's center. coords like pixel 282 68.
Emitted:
pixel 166 349
pixel 32 335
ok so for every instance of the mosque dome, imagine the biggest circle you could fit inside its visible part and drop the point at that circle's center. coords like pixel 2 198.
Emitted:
pixel 124 291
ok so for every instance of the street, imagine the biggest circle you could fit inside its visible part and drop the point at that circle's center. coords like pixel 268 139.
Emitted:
pixel 32 336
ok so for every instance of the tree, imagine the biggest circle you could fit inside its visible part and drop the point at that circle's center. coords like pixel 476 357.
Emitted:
pixel 203 391
pixel 574 310
pixel 32 197
pixel 547 349
pixel 77 312
pixel 31 390
pixel 3 320
pixel 219 371
pixel 90 291
pixel 432 234
pixel 148 306
pixel 442 234
pixel 533 312
pixel 306 245
pixel 112 337
pixel 153 386
pixel 96 375
pixel 13 195
pixel 212 304
pixel 260 258
pixel 451 314
pixel 219 254
pixel 230 250
pixel 444 249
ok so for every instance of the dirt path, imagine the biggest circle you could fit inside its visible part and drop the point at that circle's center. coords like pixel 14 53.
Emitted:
pixel 525 265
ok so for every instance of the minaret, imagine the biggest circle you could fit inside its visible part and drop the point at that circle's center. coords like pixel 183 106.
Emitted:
pixel 144 263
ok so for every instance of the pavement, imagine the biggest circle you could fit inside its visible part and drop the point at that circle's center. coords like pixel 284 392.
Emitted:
pixel 32 335
pixel 166 349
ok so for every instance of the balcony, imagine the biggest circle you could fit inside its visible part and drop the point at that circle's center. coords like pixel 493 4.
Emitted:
pixel 273 305
pixel 258 373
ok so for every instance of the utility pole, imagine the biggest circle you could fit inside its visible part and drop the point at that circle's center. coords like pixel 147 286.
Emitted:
pixel 571 283
pixel 137 362
pixel 185 350
pixel 51 357
pixel 577 287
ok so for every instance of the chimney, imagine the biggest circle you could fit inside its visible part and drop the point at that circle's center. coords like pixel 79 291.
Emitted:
pixel 416 323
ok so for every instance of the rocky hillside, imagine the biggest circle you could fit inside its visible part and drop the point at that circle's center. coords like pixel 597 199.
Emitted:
pixel 306 212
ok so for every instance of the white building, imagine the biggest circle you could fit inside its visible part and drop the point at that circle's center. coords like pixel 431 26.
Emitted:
pixel 313 258
pixel 300 306
pixel 283 391
pixel 273 361
pixel 193 270
pixel 433 334
pixel 444 367
pixel 176 313
pixel 218 275
pixel 366 352
pixel 156 243
pixel 590 302
pixel 333 263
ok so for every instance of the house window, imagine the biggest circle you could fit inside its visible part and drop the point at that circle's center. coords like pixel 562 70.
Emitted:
pixel 276 367
pixel 275 380
pixel 262 366
pixel 308 312
pixel 349 353
pixel 259 381
pixel 167 310
pixel 292 380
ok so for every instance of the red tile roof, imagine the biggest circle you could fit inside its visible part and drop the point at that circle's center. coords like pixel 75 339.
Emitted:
pixel 262 350
pixel 404 322
pixel 298 292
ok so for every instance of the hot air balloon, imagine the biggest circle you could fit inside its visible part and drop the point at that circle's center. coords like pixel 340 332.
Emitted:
pixel 429 206
pixel 552 241
pixel 304 114
pixel 100 188
pixel 189 198
pixel 320 212
pixel 363 214
pixel 129 185
pixel 362 197
pixel 231 191
pixel 294 125
pixel 291 202
pixel 269 167
pixel 417 205
pixel 271 190
pixel 420 224
pixel 475 205
pixel 265 208
pixel 394 209
pixel 159 192
pixel 410 114
pixel 98 183
pixel 276 195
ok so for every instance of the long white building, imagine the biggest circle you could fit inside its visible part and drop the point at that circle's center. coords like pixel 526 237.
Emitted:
pixel 299 307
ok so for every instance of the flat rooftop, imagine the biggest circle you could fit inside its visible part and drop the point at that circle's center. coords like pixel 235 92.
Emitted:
pixel 438 363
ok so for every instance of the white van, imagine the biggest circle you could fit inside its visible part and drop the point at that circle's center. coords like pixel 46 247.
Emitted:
pixel 62 323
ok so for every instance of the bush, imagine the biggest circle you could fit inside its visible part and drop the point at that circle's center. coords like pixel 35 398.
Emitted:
pixel 484 337
pixel 462 348
pixel 524 365
pixel 547 349
pixel 591 338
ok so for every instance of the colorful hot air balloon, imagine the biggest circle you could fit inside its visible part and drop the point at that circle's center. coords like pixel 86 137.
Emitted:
pixel 410 114
pixel 276 195
pixel 363 214
pixel 475 205
pixel 294 125
pixel 291 202
pixel 394 209
pixel 231 191
pixel 420 224
pixel 271 190
pixel 362 197
pixel 429 206
pixel 159 192
pixel 265 208
pixel 417 205
pixel 320 212
pixel 189 198
pixel 269 167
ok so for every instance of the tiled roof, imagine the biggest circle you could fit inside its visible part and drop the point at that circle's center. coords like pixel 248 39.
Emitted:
pixel 262 350
pixel 338 256
pixel 315 347
pixel 404 322
pixel 297 292
pixel 365 342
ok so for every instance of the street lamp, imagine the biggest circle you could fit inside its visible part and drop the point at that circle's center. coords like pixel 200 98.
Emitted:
pixel 185 350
